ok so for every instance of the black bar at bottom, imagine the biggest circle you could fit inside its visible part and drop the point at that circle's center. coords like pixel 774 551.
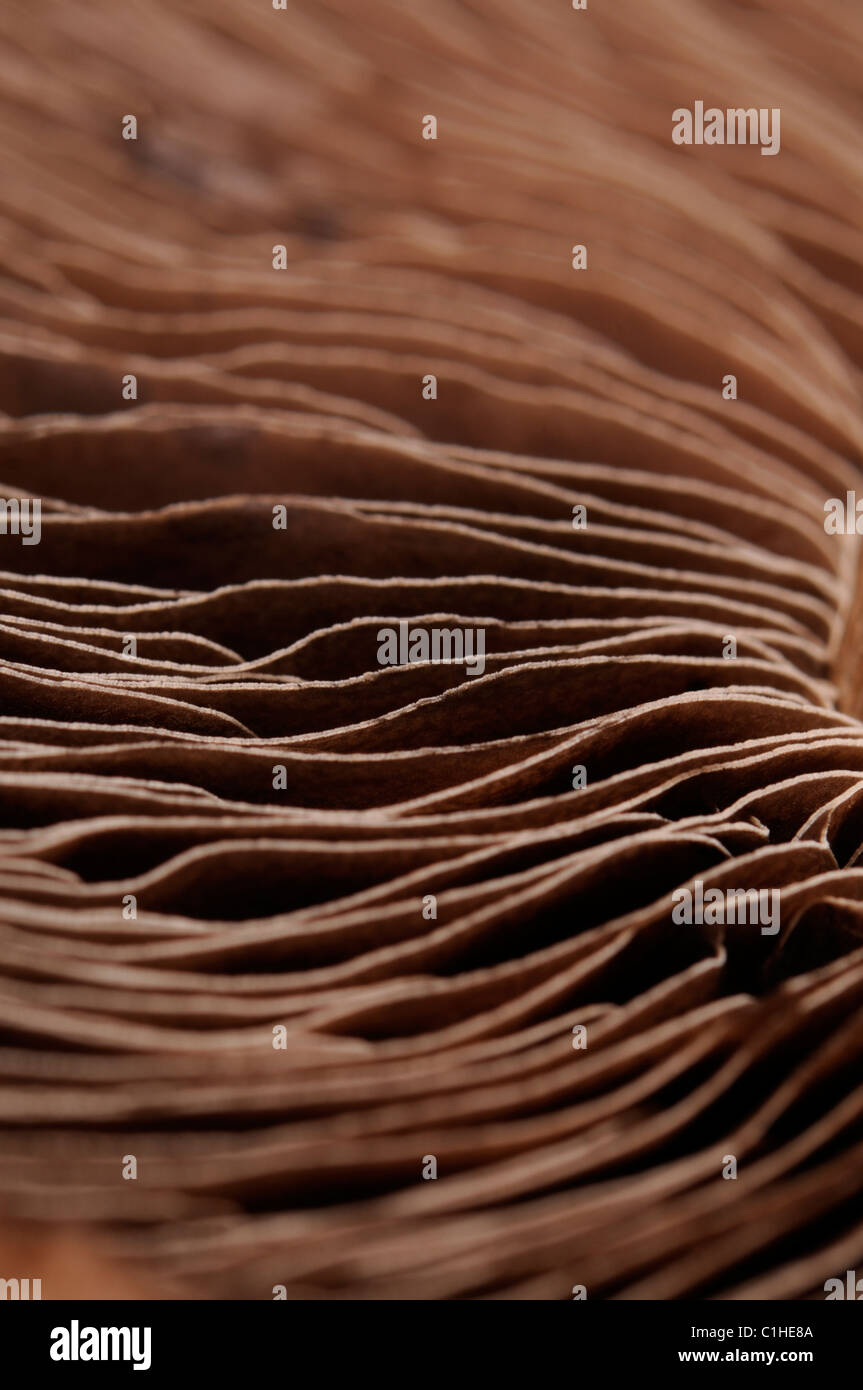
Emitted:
pixel 409 1341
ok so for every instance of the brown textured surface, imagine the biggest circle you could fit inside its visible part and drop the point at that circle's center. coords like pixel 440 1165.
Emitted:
pixel 153 775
